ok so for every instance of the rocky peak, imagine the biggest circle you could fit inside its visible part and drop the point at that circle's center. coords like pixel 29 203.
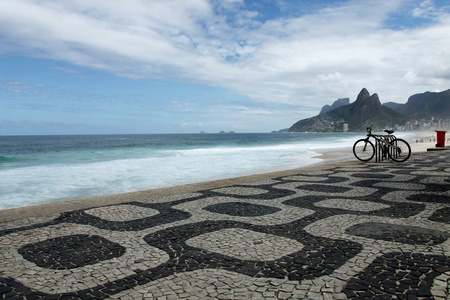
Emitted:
pixel 358 115
pixel 338 103
pixel 363 95
pixel 364 107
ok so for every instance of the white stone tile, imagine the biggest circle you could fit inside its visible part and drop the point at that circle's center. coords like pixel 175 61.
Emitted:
pixel 122 213
pixel 74 279
pixel 244 191
pixel 246 244
pixel 351 205
pixel 285 215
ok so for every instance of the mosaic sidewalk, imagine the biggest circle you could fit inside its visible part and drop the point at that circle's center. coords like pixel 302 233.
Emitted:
pixel 352 231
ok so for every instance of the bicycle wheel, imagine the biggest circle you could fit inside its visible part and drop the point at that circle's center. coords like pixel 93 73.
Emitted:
pixel 399 150
pixel 363 150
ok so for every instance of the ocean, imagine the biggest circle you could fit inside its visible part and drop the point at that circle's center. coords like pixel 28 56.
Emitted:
pixel 45 169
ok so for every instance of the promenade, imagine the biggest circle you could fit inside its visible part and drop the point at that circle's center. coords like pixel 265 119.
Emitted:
pixel 348 230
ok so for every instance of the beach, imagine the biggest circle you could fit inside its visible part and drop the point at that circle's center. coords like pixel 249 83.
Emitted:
pixel 48 169
pixel 340 229
pixel 224 150
pixel 337 230
pixel 326 158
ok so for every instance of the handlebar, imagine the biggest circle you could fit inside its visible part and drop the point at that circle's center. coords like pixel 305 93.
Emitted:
pixel 369 130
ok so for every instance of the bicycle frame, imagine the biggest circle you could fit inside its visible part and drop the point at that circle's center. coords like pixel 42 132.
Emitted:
pixel 383 144
pixel 386 146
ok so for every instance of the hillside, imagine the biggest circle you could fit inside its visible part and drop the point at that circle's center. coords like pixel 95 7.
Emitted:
pixel 366 110
pixel 338 103
pixel 425 105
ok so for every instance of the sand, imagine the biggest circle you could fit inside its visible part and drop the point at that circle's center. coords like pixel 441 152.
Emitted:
pixel 421 142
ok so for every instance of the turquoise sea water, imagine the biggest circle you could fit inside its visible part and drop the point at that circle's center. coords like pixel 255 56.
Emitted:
pixel 43 169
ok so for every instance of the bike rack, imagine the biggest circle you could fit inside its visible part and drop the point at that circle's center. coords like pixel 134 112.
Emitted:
pixel 381 148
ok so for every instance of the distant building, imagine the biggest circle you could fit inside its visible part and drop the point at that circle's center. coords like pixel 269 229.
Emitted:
pixel 345 127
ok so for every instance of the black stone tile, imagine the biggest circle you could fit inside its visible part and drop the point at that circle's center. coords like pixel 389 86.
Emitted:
pixel 272 192
pixel 437 187
pixel 387 286
pixel 13 289
pixel 395 209
pixel 71 251
pixel 319 256
pixel 242 209
pixel 324 188
pixel 335 179
pixel 373 175
pixel 432 198
pixel 392 276
pixel 398 233
pixel 166 215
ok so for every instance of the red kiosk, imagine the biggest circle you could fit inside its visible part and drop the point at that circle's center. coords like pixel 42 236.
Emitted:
pixel 440 138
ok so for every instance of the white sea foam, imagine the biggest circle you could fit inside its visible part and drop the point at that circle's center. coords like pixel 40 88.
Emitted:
pixel 95 174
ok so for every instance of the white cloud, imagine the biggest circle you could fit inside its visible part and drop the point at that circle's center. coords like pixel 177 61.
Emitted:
pixel 425 9
pixel 192 125
pixel 301 59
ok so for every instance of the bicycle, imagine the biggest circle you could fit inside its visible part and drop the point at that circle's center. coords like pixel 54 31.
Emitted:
pixel 387 145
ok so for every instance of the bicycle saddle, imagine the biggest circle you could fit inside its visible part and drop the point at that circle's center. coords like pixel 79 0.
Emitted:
pixel 389 131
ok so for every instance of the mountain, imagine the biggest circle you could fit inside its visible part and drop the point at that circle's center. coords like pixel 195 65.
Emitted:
pixel 366 110
pixel 338 103
pixel 393 105
pixel 425 105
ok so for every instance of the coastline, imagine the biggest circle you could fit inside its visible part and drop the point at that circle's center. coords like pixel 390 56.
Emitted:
pixel 319 233
pixel 419 142
pixel 328 158
pixel 47 209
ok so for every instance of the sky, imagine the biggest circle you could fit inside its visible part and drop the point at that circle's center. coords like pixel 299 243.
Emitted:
pixel 186 66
